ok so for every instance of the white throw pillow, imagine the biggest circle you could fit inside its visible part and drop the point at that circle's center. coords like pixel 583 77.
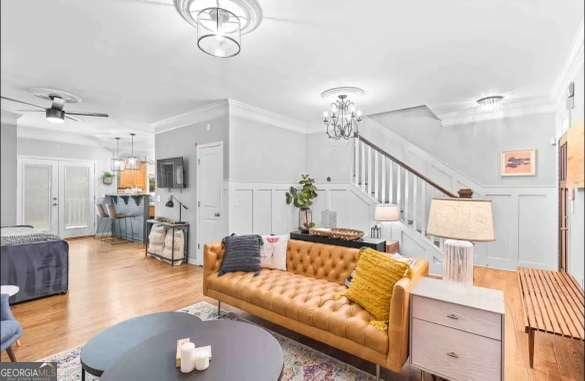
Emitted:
pixel 273 252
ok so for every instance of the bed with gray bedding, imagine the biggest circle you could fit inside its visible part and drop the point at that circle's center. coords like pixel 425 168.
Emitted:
pixel 35 261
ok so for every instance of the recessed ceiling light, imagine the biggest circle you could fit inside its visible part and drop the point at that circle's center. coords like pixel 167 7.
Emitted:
pixel 490 101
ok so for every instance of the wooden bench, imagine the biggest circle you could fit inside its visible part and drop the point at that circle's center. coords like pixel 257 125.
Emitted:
pixel 552 303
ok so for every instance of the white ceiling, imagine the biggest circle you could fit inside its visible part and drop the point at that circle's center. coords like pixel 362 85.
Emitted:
pixel 136 59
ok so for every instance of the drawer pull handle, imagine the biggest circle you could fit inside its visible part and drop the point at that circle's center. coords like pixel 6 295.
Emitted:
pixel 453 316
pixel 453 354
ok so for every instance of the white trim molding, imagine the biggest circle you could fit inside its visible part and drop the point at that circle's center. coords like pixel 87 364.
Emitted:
pixel 244 110
pixel 204 113
pixel 509 109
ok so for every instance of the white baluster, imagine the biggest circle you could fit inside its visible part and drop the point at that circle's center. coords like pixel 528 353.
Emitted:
pixel 406 197
pixel 423 219
pixel 391 182
pixel 356 148
pixel 369 171
pixel 363 165
pixel 414 201
pixel 376 174
pixel 399 189
pixel 384 179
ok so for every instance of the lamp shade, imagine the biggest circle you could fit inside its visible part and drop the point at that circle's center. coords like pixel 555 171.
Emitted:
pixel 387 213
pixel 461 219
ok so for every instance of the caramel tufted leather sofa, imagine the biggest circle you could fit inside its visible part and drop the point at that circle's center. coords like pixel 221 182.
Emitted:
pixel 305 299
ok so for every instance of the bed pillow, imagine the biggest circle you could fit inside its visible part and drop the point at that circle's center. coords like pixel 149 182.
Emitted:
pixel 242 253
pixel 375 276
pixel 273 252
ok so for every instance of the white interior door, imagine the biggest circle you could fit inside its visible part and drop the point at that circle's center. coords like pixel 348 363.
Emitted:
pixel 39 194
pixel 210 220
pixel 76 198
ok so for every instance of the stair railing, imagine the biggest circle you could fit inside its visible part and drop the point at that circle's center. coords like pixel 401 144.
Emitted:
pixel 387 179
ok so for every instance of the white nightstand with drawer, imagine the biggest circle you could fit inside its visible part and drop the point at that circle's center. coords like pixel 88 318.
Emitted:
pixel 457 331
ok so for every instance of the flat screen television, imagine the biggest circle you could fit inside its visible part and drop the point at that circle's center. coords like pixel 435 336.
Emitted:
pixel 170 173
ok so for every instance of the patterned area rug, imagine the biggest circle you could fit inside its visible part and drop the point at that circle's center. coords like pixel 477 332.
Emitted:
pixel 301 363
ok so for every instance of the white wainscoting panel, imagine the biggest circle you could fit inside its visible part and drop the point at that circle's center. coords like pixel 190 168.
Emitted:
pixel 260 208
pixel 524 218
pixel 526 233
pixel 537 233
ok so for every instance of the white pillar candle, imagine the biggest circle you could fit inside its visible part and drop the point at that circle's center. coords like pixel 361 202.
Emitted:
pixel 201 359
pixel 187 357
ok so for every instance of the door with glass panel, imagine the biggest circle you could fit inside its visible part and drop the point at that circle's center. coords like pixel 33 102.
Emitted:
pixel 39 201
pixel 57 196
pixel 75 198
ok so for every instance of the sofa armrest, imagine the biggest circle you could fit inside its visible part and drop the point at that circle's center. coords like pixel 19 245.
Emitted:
pixel 212 260
pixel 398 321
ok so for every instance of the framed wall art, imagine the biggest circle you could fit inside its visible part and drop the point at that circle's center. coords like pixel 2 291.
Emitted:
pixel 518 163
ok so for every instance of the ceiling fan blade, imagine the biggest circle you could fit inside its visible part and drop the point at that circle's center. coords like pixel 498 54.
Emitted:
pixel 30 110
pixel 94 114
pixel 72 118
pixel 23 102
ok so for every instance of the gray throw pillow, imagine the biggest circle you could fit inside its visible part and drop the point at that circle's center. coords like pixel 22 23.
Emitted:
pixel 242 253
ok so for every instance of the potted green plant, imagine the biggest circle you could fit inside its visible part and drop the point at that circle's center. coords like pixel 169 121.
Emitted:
pixel 108 178
pixel 302 197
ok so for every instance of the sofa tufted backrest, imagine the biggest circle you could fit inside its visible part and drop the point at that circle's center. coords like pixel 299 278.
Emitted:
pixel 316 260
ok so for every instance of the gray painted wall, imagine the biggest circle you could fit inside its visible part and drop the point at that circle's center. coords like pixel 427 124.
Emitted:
pixel 262 152
pixel 9 170
pixel 181 142
pixel 329 158
pixel 474 149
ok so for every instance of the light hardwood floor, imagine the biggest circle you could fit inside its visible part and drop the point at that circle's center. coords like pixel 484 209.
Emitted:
pixel 109 284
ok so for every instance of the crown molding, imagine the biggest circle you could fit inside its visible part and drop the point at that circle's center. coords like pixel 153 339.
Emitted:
pixel 574 62
pixel 200 114
pixel 510 109
pixel 243 110
pixel 9 117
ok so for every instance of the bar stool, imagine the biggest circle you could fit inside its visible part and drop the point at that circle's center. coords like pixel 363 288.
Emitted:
pixel 102 216
pixel 117 217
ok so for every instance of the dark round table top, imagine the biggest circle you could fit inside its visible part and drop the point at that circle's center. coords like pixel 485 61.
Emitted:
pixel 240 351
pixel 105 349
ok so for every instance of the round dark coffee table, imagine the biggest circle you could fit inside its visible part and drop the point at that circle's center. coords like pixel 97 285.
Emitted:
pixel 240 351
pixel 104 350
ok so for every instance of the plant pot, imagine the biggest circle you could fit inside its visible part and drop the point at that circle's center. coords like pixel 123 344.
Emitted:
pixel 305 220
pixel 108 180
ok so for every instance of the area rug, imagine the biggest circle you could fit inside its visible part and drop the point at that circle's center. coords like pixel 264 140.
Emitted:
pixel 301 363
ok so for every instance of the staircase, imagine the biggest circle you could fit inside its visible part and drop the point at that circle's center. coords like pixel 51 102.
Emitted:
pixel 388 180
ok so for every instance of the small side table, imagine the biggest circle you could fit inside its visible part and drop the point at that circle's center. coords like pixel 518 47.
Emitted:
pixel 457 331
pixel 10 290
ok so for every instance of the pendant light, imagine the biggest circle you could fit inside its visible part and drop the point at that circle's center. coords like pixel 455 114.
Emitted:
pixel 117 163
pixel 132 160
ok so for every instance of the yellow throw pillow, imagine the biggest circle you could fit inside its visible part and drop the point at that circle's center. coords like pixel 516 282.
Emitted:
pixel 375 277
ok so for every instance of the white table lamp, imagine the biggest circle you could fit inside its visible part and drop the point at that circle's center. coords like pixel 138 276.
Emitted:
pixel 387 213
pixel 460 220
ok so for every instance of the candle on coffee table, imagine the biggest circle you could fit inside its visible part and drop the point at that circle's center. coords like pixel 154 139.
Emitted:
pixel 187 357
pixel 201 359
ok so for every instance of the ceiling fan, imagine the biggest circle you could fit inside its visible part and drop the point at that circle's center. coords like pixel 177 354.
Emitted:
pixel 55 113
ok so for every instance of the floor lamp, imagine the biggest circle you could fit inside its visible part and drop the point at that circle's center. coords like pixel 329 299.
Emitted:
pixel 461 221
